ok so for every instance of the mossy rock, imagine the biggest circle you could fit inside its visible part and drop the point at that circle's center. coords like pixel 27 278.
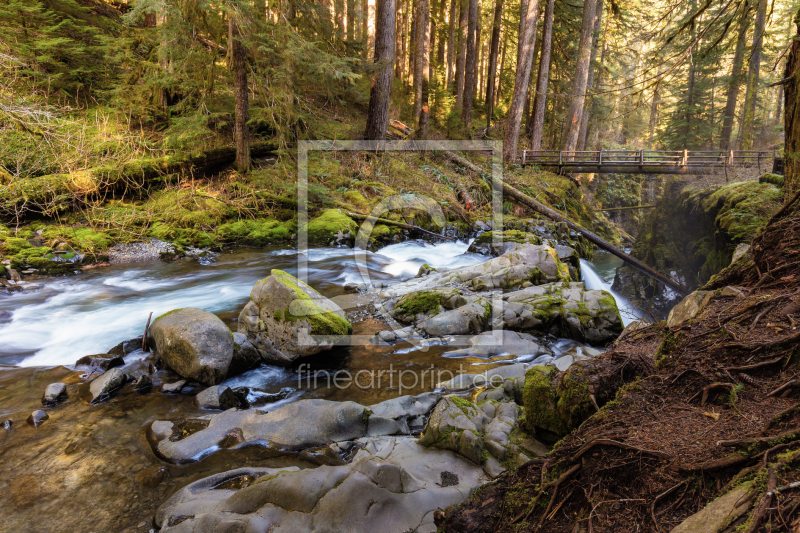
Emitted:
pixel 357 199
pixel 258 232
pixel 508 236
pixel 326 227
pixel 556 402
pixel 427 302
pixel 14 245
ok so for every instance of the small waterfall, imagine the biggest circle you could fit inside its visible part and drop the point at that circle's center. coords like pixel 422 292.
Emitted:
pixel 627 311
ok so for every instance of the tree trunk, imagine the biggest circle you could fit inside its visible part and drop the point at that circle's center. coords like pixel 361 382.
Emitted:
pixel 351 21
pixel 493 54
pixel 463 11
pixel 469 71
pixel 543 78
pixel 735 81
pixel 378 109
pixel 523 10
pixel 420 43
pixel 241 133
pixel 451 43
pixel 338 9
pixel 521 83
pixel 502 69
pixel 654 111
pixel 423 58
pixel 526 112
pixel 598 24
pixel 479 50
pixel 581 75
pixel 792 121
pixel 431 31
pixel 412 42
pixel 751 96
pixel 440 36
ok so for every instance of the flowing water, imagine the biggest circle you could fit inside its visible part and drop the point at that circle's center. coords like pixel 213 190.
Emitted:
pixel 90 467
pixel 599 274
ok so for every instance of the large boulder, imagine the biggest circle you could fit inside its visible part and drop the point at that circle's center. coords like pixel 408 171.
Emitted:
pixel 194 343
pixel 393 485
pixel 284 315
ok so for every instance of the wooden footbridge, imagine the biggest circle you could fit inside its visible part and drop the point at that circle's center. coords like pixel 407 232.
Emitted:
pixel 649 161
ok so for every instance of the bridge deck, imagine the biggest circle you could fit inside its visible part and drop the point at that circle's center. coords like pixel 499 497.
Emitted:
pixel 646 161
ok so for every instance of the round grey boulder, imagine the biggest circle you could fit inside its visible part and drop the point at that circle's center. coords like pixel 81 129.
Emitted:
pixel 194 343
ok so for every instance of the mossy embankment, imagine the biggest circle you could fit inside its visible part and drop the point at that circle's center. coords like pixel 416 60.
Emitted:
pixel 258 208
pixel 683 415
pixel 695 231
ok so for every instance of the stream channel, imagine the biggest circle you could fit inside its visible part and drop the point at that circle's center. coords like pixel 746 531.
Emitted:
pixel 90 467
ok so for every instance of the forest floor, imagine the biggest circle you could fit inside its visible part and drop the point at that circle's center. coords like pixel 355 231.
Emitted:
pixel 716 409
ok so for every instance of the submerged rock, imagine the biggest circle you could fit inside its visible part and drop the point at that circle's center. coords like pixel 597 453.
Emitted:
pixel 392 485
pixel 194 343
pixel 103 386
pixel 144 384
pixel 283 316
pixel 494 343
pixel 54 393
pixel 125 347
pixel 173 388
pixel 37 418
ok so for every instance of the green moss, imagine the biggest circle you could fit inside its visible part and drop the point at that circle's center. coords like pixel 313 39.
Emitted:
pixel 467 407
pixel 14 245
pixel 258 232
pixel 667 346
pixel 322 322
pixel 423 302
pixel 357 199
pixel 539 400
pixel 167 313
pixel 774 179
pixel 327 226
pixel 508 236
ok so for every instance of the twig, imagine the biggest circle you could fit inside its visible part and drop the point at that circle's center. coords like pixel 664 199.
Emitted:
pixel 755 365
pixel 146 329
pixel 783 387
pixel 662 495
pixel 790 486
pixel 609 442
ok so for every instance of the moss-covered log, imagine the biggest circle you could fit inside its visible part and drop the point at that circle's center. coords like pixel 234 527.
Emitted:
pixel 56 193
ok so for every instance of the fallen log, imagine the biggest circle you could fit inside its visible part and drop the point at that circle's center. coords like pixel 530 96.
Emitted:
pixel 55 193
pixel 628 208
pixel 591 237
pixel 375 220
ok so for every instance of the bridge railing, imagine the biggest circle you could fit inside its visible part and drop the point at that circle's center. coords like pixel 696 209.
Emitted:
pixel 672 158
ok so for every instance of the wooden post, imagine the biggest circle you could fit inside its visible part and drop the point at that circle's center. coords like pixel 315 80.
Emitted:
pixel 641 157
pixel 730 159
pixel 685 157
pixel 600 158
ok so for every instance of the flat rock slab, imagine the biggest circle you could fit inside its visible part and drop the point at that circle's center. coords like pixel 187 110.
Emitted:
pixel 499 375
pixel 721 511
pixel 393 485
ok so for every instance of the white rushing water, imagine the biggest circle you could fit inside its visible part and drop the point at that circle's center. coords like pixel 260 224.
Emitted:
pixel 56 321
pixel 627 311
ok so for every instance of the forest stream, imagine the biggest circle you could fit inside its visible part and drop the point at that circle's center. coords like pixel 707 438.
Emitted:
pixel 96 458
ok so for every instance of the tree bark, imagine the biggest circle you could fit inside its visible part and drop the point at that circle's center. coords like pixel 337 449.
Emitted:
pixel 351 21
pixel 378 109
pixel 239 66
pixel 431 32
pixel 424 68
pixel 420 43
pixel 461 58
pixel 451 43
pixel 521 83
pixel 791 122
pixel 543 78
pixel 654 112
pixel 581 75
pixel 751 96
pixel 523 10
pixel 598 24
pixel 469 71
pixel 493 55
pixel 735 81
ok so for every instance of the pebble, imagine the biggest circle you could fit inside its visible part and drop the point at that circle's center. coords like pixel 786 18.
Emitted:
pixel 37 418
pixel 7 425
pixel 54 393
